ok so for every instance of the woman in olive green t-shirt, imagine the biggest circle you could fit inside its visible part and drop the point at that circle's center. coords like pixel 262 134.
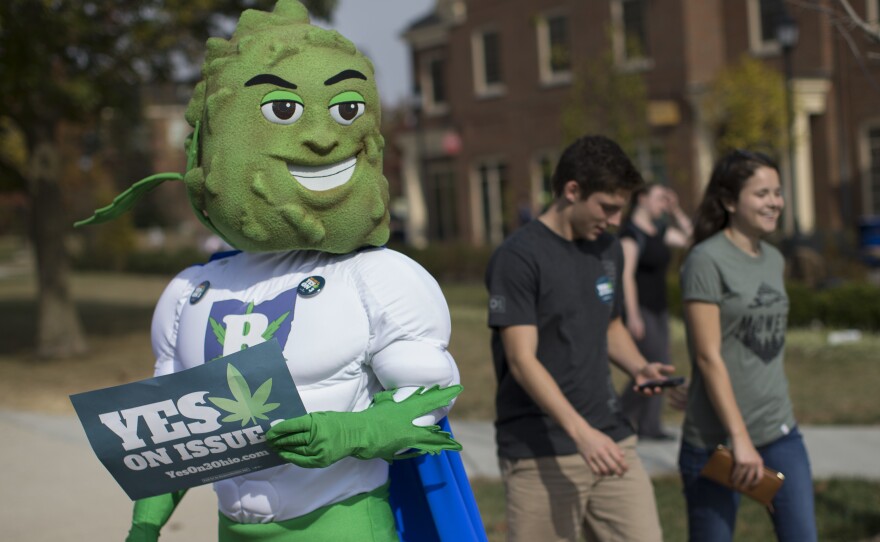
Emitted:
pixel 736 309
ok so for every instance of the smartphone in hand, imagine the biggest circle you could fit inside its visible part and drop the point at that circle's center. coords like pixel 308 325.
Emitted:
pixel 672 382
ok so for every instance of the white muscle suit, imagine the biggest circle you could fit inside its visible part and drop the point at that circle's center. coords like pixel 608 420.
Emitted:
pixel 379 322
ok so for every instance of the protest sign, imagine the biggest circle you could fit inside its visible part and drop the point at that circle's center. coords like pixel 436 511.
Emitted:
pixel 193 427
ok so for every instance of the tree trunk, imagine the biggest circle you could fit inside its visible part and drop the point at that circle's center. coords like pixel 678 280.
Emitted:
pixel 59 332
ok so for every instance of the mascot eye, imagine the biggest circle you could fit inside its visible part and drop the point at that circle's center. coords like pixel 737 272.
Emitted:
pixel 282 107
pixel 282 112
pixel 346 113
pixel 345 108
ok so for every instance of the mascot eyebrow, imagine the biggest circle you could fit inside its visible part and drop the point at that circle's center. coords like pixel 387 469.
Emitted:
pixel 269 79
pixel 343 75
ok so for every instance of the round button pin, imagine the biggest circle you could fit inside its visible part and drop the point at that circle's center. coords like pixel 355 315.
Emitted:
pixel 199 292
pixel 311 286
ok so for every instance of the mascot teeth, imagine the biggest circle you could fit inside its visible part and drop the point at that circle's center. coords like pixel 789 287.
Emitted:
pixel 323 177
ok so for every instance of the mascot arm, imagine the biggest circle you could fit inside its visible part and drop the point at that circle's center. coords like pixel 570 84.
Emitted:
pixel 166 318
pixel 410 330
pixel 320 439
pixel 150 515
pixel 395 368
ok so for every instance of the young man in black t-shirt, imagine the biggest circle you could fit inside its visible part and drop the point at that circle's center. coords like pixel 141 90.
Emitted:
pixel 567 455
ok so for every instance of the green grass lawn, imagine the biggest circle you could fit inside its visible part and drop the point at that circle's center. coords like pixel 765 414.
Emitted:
pixel 828 384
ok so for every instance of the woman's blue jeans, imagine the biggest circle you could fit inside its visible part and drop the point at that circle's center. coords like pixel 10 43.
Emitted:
pixel 712 507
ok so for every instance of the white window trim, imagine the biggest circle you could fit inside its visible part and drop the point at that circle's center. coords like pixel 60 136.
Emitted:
pixel 756 45
pixel 547 75
pixel 478 57
pixel 495 235
pixel 618 43
pixel 430 106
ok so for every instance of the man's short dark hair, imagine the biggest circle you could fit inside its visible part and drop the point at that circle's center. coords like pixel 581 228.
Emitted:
pixel 598 164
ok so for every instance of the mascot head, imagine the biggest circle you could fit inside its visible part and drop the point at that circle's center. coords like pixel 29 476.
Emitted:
pixel 287 151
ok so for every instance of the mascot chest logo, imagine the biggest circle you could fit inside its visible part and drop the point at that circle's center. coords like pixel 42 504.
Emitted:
pixel 234 325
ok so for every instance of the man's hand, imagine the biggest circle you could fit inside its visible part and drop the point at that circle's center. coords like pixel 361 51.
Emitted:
pixel 651 371
pixel 603 455
pixel 320 439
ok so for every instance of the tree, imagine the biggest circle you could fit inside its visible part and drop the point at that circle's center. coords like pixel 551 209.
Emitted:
pixel 65 61
pixel 746 108
pixel 607 100
pixel 871 31
pixel 848 23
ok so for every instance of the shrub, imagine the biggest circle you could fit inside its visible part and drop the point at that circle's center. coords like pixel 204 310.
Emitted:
pixel 673 295
pixel 805 304
pixel 457 262
pixel 152 262
pixel 853 304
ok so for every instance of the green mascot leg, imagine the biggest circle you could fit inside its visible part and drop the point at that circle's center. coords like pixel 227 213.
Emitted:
pixel 151 514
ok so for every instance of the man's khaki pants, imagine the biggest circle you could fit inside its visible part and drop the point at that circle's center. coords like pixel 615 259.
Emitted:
pixel 558 498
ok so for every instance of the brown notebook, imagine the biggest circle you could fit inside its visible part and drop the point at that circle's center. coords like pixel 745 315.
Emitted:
pixel 720 467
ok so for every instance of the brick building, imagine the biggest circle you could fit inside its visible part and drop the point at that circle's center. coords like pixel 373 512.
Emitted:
pixel 494 75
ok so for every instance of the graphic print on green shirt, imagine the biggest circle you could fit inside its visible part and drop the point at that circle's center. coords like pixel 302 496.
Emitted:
pixel 764 334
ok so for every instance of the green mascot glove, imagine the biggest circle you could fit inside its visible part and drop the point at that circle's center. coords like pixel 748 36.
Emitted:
pixel 320 439
pixel 151 514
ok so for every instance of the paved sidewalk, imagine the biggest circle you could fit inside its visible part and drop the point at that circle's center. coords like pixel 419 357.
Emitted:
pixel 835 451
pixel 54 488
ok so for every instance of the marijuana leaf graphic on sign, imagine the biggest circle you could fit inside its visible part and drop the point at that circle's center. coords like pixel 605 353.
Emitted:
pixel 246 408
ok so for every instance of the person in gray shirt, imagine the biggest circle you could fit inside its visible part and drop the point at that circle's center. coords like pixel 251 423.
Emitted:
pixel 736 311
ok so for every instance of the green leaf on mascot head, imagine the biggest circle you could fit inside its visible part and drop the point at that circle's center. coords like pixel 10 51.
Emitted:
pixel 125 201
pixel 290 150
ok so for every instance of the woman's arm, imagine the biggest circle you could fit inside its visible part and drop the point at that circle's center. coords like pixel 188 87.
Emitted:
pixel 704 320
pixel 680 234
pixel 634 322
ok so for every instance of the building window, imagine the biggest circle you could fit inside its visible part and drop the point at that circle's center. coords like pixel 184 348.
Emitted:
pixel 441 203
pixel 872 188
pixel 554 49
pixel 630 33
pixel 491 197
pixel 488 77
pixel 542 179
pixel 650 158
pixel 432 80
pixel 763 16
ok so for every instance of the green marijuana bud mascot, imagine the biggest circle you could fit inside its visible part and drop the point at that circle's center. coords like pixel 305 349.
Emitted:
pixel 285 164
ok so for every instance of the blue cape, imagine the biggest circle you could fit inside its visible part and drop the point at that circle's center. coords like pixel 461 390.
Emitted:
pixel 432 499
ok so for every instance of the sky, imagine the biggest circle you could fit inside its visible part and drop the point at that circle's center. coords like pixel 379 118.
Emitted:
pixel 375 27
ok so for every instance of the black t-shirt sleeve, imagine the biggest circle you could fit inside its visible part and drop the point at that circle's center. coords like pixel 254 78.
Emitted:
pixel 511 279
pixel 627 230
